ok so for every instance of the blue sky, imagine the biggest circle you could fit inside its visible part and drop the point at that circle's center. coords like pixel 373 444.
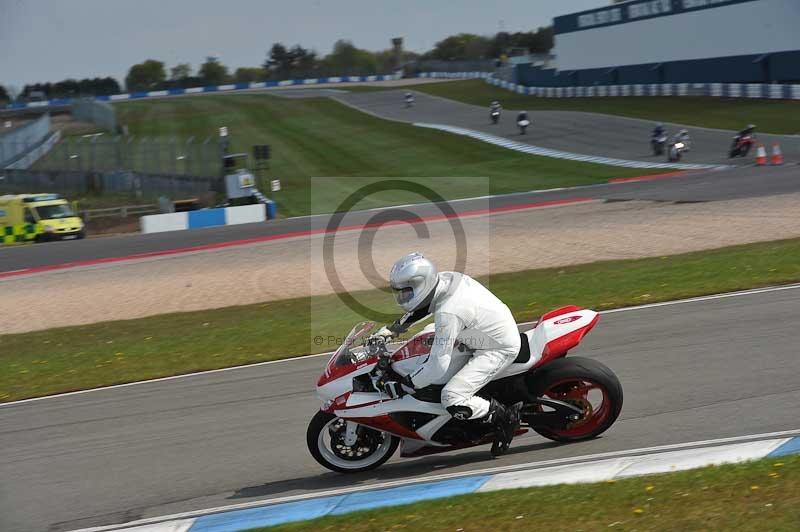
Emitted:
pixel 49 40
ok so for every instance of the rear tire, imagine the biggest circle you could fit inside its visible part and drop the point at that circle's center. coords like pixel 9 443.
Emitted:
pixel 326 457
pixel 558 375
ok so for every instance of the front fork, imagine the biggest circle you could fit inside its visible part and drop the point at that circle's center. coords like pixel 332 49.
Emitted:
pixel 350 433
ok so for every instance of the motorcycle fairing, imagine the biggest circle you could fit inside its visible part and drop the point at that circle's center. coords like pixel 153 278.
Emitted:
pixel 553 336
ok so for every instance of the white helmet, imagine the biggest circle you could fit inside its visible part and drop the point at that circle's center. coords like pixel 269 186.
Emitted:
pixel 413 279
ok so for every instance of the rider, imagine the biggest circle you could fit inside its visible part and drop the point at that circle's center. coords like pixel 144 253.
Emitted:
pixel 682 136
pixel 495 106
pixel 523 115
pixel 462 308
pixel 749 130
pixel 409 98
pixel 658 130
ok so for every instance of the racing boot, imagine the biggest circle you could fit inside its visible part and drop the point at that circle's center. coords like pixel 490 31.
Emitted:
pixel 506 422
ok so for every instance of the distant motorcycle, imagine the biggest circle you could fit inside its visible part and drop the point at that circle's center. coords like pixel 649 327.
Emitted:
pixel 658 143
pixel 741 146
pixel 409 100
pixel 676 151
pixel 523 125
pixel 495 116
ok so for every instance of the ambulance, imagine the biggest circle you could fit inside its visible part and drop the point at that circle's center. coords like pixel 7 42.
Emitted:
pixel 39 218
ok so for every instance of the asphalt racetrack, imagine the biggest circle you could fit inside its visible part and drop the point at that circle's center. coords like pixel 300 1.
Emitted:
pixel 576 132
pixel 690 371
pixel 699 186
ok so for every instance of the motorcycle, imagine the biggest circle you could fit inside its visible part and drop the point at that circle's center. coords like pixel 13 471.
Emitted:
pixel 741 146
pixel 409 101
pixel 523 125
pixel 676 151
pixel 658 143
pixel 360 426
pixel 495 116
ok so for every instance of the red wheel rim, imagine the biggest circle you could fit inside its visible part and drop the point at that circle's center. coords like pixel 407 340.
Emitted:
pixel 590 396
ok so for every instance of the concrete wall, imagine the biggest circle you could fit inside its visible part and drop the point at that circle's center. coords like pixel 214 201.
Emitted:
pixel 180 221
pixel 19 141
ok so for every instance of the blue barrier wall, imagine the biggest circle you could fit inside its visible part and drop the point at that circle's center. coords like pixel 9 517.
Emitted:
pixel 785 66
pixel 211 88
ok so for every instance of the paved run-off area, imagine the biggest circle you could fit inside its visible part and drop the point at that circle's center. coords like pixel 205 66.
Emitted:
pixel 504 242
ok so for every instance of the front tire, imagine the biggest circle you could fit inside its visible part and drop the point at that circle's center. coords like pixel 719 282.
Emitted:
pixel 572 380
pixel 372 449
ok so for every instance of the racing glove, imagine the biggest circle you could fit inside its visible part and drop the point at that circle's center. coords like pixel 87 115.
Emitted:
pixel 399 388
pixel 385 333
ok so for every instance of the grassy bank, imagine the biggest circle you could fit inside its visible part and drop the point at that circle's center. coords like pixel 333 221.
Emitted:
pixel 320 137
pixel 73 358
pixel 771 116
pixel 754 496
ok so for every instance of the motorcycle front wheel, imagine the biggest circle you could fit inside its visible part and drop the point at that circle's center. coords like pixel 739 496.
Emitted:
pixel 325 440
pixel 585 383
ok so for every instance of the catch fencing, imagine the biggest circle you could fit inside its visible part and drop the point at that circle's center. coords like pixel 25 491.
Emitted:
pixel 100 114
pixel 138 167
pixel 113 183
pixel 103 153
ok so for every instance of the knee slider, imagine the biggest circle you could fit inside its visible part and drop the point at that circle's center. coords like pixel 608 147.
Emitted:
pixel 460 412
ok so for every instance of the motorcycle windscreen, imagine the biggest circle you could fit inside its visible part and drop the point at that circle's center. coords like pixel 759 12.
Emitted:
pixel 342 355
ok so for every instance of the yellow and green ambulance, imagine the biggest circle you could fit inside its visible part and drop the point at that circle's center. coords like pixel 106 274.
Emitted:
pixel 39 218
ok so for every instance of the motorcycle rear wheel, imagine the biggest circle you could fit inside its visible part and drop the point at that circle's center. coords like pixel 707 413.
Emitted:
pixel 572 380
pixel 379 446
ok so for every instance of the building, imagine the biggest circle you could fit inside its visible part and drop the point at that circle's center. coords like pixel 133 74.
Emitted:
pixel 674 41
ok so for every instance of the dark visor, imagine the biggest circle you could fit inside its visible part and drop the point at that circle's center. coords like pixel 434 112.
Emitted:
pixel 403 295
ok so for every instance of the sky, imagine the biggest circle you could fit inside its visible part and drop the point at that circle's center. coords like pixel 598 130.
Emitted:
pixel 51 40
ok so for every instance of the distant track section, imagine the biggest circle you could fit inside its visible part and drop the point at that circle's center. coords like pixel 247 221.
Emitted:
pixel 558 154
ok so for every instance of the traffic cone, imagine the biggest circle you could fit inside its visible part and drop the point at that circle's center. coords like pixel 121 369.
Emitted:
pixel 761 156
pixel 777 156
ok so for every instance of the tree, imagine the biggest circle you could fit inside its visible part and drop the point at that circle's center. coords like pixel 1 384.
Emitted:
pixel 303 59
pixel 463 46
pixel 4 96
pixel 145 76
pixel 346 58
pixel 249 74
pixel 180 71
pixel 279 60
pixel 213 72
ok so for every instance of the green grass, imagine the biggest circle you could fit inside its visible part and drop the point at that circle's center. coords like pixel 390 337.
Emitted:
pixel 771 116
pixel 74 358
pixel 320 137
pixel 753 496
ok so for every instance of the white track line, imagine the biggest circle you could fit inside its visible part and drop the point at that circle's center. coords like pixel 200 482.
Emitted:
pixel 478 472
pixel 306 357
pixel 558 154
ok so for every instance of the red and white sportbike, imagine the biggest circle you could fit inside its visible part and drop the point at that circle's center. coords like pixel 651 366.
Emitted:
pixel 359 426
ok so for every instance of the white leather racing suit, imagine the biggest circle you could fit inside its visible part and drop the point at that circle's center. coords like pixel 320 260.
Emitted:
pixel 463 308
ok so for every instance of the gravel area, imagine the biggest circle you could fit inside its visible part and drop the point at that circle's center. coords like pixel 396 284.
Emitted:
pixel 281 269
